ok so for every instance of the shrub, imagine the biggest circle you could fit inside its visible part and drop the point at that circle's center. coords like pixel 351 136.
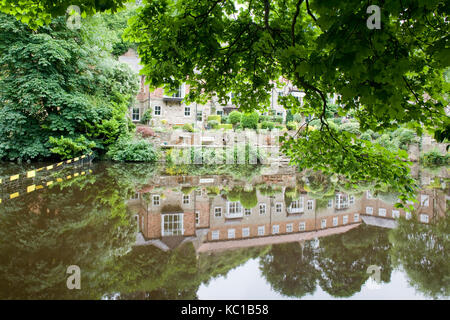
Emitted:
pixel 366 136
pixel 250 120
pixel 289 116
pixel 145 132
pixel 226 126
pixel 68 148
pixel 188 127
pixel 263 118
pixel 164 121
pixel 126 149
pixel 213 124
pixel 248 199
pixel 352 127
pixel 435 158
pixel 277 119
pixel 215 118
pixel 267 125
pixel 291 125
pixel 298 117
pixel 224 119
pixel 147 116
pixel 279 126
pixel 235 117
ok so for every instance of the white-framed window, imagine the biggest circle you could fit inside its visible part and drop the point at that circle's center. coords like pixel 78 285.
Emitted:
pixel 217 212
pixel 345 219
pixel 234 209
pixel 135 196
pixel 351 199
pixel 395 214
pixel 382 212
pixel 156 200
pixel 219 112
pixel 369 210
pixel 356 217
pixel 330 203
pixel 199 115
pixel 369 195
pixel 262 208
pixel 335 221
pixel 246 232
pixel 197 218
pixel 261 230
pixel 187 111
pixel 289 227
pixel 297 206
pixel 136 114
pixel 172 224
pixel 341 201
pixel 408 215
pixel 275 229
pixel 323 223
pixel 278 207
pixel 424 218
pixel 215 235
pixel 302 226
pixel 157 111
pixel 186 199
pixel 231 233
pixel 178 92
pixel 310 204
pixel 247 212
pixel 424 200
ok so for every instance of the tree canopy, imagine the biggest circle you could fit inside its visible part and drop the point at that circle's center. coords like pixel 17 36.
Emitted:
pixel 383 77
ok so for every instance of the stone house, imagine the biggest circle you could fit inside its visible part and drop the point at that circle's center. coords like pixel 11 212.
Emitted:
pixel 175 111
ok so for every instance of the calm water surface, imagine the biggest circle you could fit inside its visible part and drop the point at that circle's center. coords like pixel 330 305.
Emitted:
pixel 137 231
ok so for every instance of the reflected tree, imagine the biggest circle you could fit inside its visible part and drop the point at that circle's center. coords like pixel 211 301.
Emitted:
pixel 422 251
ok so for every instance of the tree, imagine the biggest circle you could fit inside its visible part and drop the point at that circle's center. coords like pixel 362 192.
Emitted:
pixel 58 95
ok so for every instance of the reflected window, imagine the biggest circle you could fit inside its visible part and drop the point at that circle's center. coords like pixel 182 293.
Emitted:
pixel 296 206
pixel 215 235
pixel 275 229
pixel 302 226
pixel 424 218
pixel 217 212
pixel 186 199
pixel 156 200
pixel 262 208
pixel 231 233
pixel 395 214
pixel 341 201
pixel 135 196
pixel 345 219
pixel 382 212
pixel 246 232
pixel 172 224
pixel 234 208
pixel 356 217
pixel 330 203
pixel 248 212
pixel 369 195
pixel 261 230
pixel 369 210
pixel 351 200
pixel 278 207
pixel 197 218
pixel 310 204
pixel 323 224
pixel 335 221
pixel 424 200
pixel 289 227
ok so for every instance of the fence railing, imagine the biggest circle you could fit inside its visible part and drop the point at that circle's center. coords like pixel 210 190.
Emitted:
pixel 16 185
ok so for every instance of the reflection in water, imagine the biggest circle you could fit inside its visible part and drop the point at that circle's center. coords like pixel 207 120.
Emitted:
pixel 139 234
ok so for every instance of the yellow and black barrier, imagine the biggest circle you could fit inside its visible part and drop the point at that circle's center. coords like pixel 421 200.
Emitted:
pixel 13 186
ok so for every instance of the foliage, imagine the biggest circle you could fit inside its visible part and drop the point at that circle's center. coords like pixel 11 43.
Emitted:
pixel 352 127
pixel 145 132
pixel 435 158
pixel 126 149
pixel 245 48
pixel 234 117
pixel 67 90
pixel 188 127
pixel 226 126
pixel 217 118
pixel 289 116
pixel 213 124
pixel 147 116
pixel 422 250
pixel 267 125
pixel 67 148
pixel 291 125
pixel 250 120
